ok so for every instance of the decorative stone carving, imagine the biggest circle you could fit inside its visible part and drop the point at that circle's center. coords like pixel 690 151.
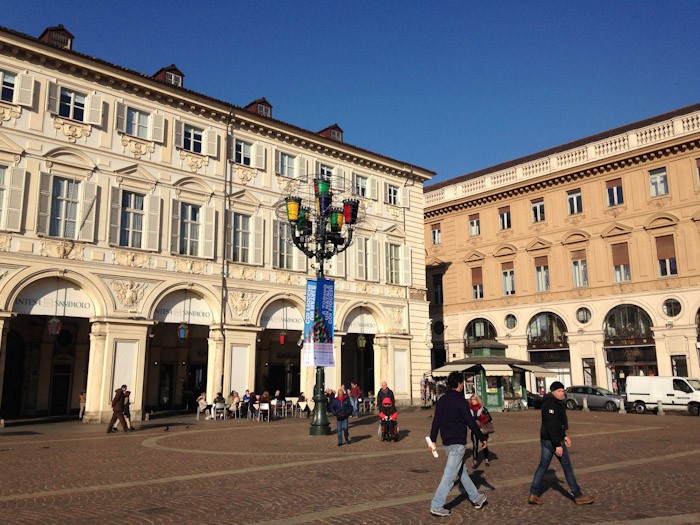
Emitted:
pixel 72 130
pixel 615 211
pixel 243 272
pixel 428 333
pixel 129 293
pixel 190 266
pixel 661 202
pixel 239 302
pixel 137 147
pixel 505 234
pixel 395 291
pixel 5 241
pixel 416 293
pixel 194 161
pixel 575 219
pixel 396 314
pixel 245 174
pixel 287 278
pixel 365 289
pixel 62 249
pixel 132 259
pixel 395 212
pixel 8 113
pixel 288 186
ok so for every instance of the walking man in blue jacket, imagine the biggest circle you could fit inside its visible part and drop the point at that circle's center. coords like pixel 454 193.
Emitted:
pixel 452 417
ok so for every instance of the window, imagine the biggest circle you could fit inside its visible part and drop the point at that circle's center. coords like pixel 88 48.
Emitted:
pixel 366 259
pixel 511 321
pixel 477 283
pixel 336 135
pixel 697 169
pixel 7 86
pixel 393 263
pixel 192 139
pixel 508 278
pixel 142 124
pixel 325 172
pixel 284 249
pixel 71 105
pixel 173 78
pixel 264 110
pixel 392 195
pixel 189 229
pixel 436 234
pixel 504 218
pixel 241 238
pixel 580 268
pixel 583 315
pixel 658 182
pixel 671 308
pixel 474 225
pixel 242 153
pixel 66 208
pixel 537 210
pixel 589 377
pixel 359 185
pixel 285 164
pixel 542 273
pixel 575 203
pixel 679 366
pixel 437 288
pixel 621 263
pixel 666 255
pixel 132 219
pixel 614 188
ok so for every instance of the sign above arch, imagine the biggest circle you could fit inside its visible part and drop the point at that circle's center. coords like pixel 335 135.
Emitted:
pixel 53 296
pixel 181 306
pixel 282 315
pixel 360 321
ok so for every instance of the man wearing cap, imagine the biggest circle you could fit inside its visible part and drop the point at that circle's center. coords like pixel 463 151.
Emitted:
pixel 554 442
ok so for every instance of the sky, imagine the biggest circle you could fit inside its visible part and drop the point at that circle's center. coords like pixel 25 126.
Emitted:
pixel 451 86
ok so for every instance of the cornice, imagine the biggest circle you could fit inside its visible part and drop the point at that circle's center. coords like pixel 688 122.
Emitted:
pixel 558 179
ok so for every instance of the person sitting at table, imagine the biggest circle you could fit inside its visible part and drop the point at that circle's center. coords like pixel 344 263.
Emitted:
pixel 302 397
pixel 265 397
pixel 232 402
pixel 202 406
pixel 252 400
pixel 279 396
pixel 245 403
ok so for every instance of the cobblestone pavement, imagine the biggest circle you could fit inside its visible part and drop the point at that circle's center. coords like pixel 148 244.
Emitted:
pixel 641 468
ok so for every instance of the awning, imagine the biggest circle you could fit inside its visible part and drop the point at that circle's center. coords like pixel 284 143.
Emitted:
pixel 446 369
pixel 538 370
pixel 498 370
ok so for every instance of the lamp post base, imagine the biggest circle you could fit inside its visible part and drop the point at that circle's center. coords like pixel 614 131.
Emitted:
pixel 319 422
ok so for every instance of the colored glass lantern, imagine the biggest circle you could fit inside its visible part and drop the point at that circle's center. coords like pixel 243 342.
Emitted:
pixel 283 334
pixel 54 326
pixel 183 332
pixel 361 341
pixel 293 205
pixel 350 208
pixel 325 203
pixel 324 187
pixel 336 220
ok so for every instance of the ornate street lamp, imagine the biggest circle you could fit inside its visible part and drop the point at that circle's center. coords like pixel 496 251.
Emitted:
pixel 322 226
pixel 183 330
pixel 55 322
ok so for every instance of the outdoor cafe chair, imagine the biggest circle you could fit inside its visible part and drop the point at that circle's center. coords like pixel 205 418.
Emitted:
pixel 219 410
pixel 263 410
pixel 302 408
pixel 292 405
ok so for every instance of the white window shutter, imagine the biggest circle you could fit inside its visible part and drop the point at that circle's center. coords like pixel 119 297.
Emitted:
pixel 157 127
pixel 260 156
pixel 353 181
pixel 338 179
pixel 115 208
pixel 387 264
pixel 339 264
pixel 88 205
pixel 94 109
pixel 373 260
pixel 151 232
pixel 405 255
pixel 211 143
pixel 179 127
pixel 329 267
pixel 15 200
pixel 301 167
pixel 52 98
pixel 24 95
pixel 373 188
pixel 403 197
pixel 42 217
pixel 175 226
pixel 209 241
pixel 277 162
pixel 258 238
pixel 275 243
pixel 228 241
pixel 317 168
pixel 120 111
pixel 300 259
pixel 386 192
pixel 361 250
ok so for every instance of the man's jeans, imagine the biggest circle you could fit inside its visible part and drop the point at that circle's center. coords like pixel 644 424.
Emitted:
pixel 545 460
pixel 343 428
pixel 355 406
pixel 455 462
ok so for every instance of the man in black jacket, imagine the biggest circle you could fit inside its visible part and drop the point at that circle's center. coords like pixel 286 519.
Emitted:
pixel 553 442
pixel 452 417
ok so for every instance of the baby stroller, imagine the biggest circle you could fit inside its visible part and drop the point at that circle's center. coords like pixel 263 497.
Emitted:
pixel 388 425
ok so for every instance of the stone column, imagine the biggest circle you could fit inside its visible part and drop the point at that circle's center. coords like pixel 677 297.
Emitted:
pixel 96 402
pixel 382 369
pixel 4 328
pixel 215 362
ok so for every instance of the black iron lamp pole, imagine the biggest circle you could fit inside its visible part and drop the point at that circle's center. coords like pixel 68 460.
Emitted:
pixel 320 234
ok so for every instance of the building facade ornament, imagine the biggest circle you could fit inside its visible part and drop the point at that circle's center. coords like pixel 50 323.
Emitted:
pixel 240 302
pixel 72 130
pixel 129 258
pixel 245 174
pixel 138 148
pixel 189 266
pixel 8 113
pixel 62 249
pixel 193 161
pixel 129 293
pixel 243 272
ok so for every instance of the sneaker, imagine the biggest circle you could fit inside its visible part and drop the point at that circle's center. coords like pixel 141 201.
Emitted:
pixel 442 512
pixel 534 500
pixel 584 500
pixel 487 463
pixel 480 501
pixel 115 429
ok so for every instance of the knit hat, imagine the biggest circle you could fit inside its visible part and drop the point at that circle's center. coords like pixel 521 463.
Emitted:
pixel 556 386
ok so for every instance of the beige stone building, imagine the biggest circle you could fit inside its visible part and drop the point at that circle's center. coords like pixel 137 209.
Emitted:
pixel 582 259
pixel 132 207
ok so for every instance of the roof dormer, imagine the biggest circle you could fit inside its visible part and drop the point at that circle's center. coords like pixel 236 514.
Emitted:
pixel 333 132
pixel 58 36
pixel 170 75
pixel 261 107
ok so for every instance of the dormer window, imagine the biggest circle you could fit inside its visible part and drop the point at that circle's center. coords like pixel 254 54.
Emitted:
pixel 173 78
pixel 264 110
pixel 57 36
pixel 336 135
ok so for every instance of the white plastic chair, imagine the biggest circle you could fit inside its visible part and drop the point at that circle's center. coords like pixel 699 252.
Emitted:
pixel 263 408
pixel 219 410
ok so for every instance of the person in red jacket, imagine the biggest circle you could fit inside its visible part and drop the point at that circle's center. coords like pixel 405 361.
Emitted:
pixel 355 395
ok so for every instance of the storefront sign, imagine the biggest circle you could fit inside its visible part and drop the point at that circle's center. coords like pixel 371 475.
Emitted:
pixel 360 321
pixel 318 323
pixel 282 317
pixel 181 307
pixel 54 297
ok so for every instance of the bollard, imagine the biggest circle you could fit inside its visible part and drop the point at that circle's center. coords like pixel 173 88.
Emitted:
pixel 2 423
pixel 585 405
pixel 148 416
pixel 660 410
pixel 622 406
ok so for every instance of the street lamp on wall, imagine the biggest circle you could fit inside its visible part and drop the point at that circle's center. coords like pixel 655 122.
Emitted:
pixel 183 330
pixel 55 323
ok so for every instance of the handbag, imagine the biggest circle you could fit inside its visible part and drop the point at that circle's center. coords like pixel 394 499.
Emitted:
pixel 487 428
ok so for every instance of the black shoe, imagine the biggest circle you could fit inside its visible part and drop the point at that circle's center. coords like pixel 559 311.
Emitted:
pixel 110 431
pixel 347 441
pixel 132 429
pixel 340 444
pixel 115 430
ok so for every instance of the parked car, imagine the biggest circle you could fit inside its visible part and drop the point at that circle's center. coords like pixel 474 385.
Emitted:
pixel 674 393
pixel 534 400
pixel 597 397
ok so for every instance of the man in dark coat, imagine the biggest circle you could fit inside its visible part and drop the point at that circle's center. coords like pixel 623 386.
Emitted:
pixel 118 411
pixel 554 442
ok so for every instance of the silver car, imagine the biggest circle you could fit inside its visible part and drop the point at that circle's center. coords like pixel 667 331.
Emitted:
pixel 598 398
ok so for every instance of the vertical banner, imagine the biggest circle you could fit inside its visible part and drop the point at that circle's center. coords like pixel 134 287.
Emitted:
pixel 318 323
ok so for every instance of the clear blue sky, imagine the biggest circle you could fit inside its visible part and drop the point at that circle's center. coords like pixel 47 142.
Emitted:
pixel 452 86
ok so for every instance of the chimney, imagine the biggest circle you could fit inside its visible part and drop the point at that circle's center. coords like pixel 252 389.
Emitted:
pixel 58 36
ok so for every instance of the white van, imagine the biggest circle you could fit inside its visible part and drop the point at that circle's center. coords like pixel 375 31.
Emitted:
pixel 675 393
